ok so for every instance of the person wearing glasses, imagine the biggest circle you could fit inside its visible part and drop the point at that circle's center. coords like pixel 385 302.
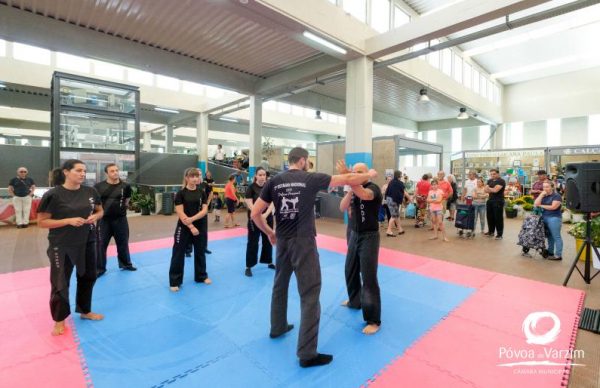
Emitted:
pixel 21 189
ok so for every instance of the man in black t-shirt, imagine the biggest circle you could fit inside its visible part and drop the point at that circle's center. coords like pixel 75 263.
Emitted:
pixel 115 195
pixel 293 193
pixel 21 188
pixel 363 251
pixel 495 204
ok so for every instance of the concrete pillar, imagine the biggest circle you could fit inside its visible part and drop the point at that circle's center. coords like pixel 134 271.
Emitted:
pixel 255 135
pixel 202 141
pixel 169 139
pixel 359 111
pixel 147 145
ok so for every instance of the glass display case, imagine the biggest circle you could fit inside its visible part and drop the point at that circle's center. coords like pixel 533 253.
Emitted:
pixel 97 122
pixel 520 164
pixel 559 157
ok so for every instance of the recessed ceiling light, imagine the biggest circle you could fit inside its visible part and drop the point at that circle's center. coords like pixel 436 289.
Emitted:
pixel 228 119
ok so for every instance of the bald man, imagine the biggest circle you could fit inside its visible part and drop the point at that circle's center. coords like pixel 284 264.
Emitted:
pixel 363 251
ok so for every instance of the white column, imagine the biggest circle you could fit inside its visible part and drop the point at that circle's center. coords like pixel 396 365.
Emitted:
pixel 169 139
pixel 359 111
pixel 202 141
pixel 255 134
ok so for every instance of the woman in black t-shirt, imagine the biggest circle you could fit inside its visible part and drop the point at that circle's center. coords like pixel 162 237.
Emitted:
pixel 191 208
pixel 254 234
pixel 70 211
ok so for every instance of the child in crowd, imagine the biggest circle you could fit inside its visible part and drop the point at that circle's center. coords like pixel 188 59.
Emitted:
pixel 435 198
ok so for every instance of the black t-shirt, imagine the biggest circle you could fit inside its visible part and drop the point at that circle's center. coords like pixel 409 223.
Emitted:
pixel 114 198
pixel 365 214
pixel 293 193
pixel 192 201
pixel 253 193
pixel 499 196
pixel 62 203
pixel 20 186
pixel 208 186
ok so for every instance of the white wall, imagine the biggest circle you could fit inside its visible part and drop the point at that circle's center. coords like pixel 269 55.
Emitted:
pixel 574 94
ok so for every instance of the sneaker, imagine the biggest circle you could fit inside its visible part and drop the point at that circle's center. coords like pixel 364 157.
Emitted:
pixel 318 360
pixel 554 258
pixel 498 238
pixel 248 272
pixel 207 251
pixel 488 234
pixel 271 266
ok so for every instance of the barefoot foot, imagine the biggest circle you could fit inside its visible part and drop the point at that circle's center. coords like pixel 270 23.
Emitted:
pixel 207 281
pixel 92 316
pixel 59 328
pixel 370 329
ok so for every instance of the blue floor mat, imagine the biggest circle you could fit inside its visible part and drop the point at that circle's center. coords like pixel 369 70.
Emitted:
pixel 217 335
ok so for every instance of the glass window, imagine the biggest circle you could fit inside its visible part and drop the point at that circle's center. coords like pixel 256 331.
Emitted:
pixel 456 139
pixel 594 129
pixel 409 161
pixel 86 130
pixel 93 96
pixel 168 83
pixel 192 88
pixel 380 15
pixel 553 132
pixel 342 120
pixel 467 76
pixel 213 92
pixel 458 68
pixel 484 135
pixel 432 136
pixel 515 138
pixel 434 57
pixel 483 86
pixel 140 77
pixel 490 89
pixel 297 110
pixel 400 17
pixel 24 52
pixel 270 105
pixel 283 107
pixel 356 8
pixel 2 48
pixel 447 61
pixel 73 63
pixel 476 81
pixel 419 160
pixel 109 70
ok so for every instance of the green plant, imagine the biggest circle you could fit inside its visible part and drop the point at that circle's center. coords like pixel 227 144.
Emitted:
pixel 528 199
pixel 135 196
pixel 519 201
pixel 510 205
pixel 144 201
pixel 578 231
pixel 528 207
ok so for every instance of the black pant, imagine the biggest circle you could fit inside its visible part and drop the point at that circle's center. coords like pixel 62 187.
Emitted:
pixel 61 268
pixel 298 255
pixel 119 229
pixel 266 253
pixel 361 261
pixel 182 236
pixel 495 217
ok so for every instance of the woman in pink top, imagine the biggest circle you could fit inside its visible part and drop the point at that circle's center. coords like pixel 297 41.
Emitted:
pixel 435 198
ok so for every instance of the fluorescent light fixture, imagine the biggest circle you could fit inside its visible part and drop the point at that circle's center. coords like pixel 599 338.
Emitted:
pixel 167 110
pixel 463 114
pixel 324 42
pixel 423 95
pixel 2 86
pixel 301 130
pixel 5 107
pixel 228 119
pixel 437 9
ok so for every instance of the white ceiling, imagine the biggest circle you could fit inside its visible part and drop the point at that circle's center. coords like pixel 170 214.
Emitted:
pixel 558 45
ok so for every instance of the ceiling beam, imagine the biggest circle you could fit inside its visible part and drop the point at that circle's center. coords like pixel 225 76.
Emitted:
pixel 466 14
pixel 25 27
pixel 449 123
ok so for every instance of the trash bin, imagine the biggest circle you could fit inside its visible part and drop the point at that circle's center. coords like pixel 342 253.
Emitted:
pixel 167 204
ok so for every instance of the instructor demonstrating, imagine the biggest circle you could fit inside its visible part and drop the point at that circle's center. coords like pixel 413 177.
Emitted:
pixel 363 251
pixel 293 192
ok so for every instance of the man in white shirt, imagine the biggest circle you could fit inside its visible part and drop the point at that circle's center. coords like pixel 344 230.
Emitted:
pixel 470 185
pixel 220 155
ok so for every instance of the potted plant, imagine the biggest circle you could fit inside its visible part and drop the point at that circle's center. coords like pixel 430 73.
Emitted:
pixel 145 203
pixel 510 210
pixel 578 231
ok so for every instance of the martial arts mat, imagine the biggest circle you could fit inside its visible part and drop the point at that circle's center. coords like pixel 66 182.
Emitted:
pixel 443 325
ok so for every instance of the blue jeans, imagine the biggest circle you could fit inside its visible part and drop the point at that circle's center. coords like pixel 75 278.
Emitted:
pixel 479 213
pixel 555 243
